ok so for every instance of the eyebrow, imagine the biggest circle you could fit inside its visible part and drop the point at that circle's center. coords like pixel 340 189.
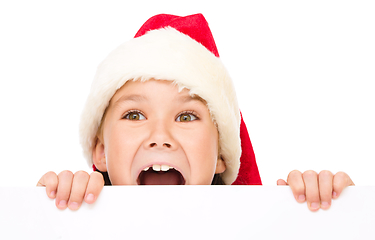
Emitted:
pixel 189 98
pixel 133 98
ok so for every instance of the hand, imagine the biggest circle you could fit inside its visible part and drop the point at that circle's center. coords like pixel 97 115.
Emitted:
pixel 71 189
pixel 317 189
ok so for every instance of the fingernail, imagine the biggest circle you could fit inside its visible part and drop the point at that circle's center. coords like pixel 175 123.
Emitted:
pixel 334 194
pixel 73 205
pixel 314 205
pixel 62 203
pixel 52 194
pixel 90 197
pixel 325 205
pixel 301 198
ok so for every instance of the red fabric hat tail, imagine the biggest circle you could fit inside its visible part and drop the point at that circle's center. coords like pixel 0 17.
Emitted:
pixel 186 25
pixel 248 173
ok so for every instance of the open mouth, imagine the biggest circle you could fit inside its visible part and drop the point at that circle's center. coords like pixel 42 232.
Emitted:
pixel 160 175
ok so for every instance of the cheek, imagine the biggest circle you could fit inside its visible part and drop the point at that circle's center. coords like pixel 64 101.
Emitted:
pixel 121 146
pixel 202 152
pixel 206 144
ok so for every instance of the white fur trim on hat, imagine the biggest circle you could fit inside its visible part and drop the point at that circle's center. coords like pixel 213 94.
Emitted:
pixel 167 54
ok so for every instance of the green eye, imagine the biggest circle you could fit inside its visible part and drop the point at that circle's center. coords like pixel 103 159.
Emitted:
pixel 134 116
pixel 186 117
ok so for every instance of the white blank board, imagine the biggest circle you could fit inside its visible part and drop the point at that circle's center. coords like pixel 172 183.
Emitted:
pixel 187 212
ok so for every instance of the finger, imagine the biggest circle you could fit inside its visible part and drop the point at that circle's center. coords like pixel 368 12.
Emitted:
pixel 50 181
pixel 325 189
pixel 295 181
pixel 312 190
pixel 63 189
pixel 94 187
pixel 281 182
pixel 340 181
pixel 80 180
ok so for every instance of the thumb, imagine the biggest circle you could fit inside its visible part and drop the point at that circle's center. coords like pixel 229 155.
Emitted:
pixel 50 181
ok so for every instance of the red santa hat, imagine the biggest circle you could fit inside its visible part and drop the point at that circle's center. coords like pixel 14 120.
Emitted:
pixel 182 50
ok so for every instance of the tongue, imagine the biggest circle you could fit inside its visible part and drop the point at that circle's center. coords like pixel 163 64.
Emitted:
pixel 161 178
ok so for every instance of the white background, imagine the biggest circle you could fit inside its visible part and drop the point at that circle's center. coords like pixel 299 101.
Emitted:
pixel 304 74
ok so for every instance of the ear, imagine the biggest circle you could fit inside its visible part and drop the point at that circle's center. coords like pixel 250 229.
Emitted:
pixel 220 165
pixel 98 156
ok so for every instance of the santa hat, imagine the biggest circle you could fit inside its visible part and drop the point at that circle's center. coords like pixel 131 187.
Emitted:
pixel 182 50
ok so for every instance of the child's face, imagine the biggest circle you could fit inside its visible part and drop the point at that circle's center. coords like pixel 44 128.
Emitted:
pixel 151 123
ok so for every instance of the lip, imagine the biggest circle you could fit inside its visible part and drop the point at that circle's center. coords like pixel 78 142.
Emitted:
pixel 160 163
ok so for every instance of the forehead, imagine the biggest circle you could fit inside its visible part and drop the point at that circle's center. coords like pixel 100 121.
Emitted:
pixel 144 90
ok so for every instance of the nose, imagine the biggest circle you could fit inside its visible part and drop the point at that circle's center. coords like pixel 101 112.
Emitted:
pixel 161 136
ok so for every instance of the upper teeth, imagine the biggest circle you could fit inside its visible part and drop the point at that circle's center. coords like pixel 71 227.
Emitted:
pixel 157 167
